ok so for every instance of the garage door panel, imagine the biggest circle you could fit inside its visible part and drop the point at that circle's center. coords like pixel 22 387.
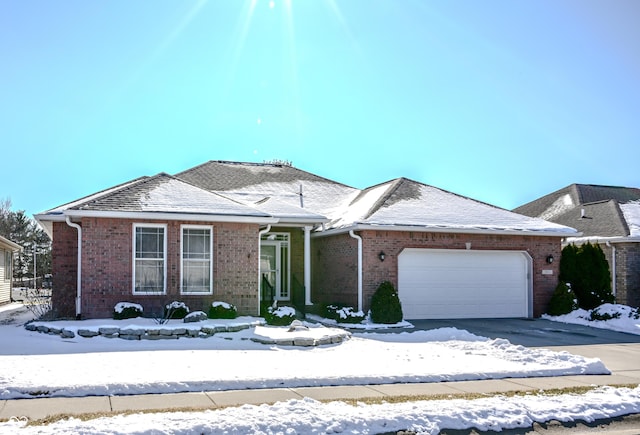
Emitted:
pixel 457 284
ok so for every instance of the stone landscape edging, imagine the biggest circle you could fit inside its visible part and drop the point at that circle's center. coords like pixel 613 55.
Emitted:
pixel 163 333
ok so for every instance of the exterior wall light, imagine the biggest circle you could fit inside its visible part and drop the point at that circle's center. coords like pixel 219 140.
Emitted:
pixel 381 255
pixel 549 259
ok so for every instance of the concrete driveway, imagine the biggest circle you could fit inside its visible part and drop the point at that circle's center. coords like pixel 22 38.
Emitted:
pixel 532 332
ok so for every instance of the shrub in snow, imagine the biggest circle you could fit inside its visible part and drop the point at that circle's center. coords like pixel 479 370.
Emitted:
pixel 222 310
pixel 343 314
pixel 127 310
pixel 280 316
pixel 563 301
pixel 176 310
pixel 587 270
pixel 385 305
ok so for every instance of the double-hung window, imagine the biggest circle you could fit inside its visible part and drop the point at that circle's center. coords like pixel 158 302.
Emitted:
pixel 197 260
pixel 149 259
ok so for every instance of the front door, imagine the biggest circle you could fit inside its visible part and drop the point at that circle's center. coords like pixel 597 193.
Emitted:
pixel 274 266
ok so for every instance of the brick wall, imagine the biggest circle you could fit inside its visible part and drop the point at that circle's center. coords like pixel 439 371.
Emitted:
pixel 335 261
pixel 107 267
pixel 64 264
pixel 627 273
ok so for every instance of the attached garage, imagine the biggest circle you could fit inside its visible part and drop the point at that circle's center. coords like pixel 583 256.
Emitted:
pixel 458 283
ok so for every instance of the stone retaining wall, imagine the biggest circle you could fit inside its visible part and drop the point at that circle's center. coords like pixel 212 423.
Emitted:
pixel 161 333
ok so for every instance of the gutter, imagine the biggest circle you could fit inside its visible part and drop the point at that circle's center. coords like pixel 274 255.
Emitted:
pixel 359 239
pixel 79 273
pixel 441 229
pixel 165 216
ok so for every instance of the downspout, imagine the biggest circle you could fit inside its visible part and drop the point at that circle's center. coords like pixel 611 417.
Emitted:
pixel 79 278
pixel 613 268
pixel 359 239
pixel 260 234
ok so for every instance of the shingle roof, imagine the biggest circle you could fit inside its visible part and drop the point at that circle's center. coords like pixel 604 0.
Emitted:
pixel 167 194
pixel 294 196
pixel 218 175
pixel 403 202
pixel 592 209
pixel 283 186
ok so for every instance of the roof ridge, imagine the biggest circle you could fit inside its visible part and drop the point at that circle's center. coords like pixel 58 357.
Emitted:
pixel 394 185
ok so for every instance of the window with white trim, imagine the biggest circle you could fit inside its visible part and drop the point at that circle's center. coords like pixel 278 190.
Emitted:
pixel 196 260
pixel 149 258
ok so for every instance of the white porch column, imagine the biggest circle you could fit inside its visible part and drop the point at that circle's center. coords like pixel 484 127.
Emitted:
pixel 307 266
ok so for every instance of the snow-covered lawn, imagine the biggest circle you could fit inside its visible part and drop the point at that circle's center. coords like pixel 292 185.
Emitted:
pixel 35 364
pixel 32 363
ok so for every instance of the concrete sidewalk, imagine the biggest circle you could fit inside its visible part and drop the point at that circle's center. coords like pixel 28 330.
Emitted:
pixel 622 359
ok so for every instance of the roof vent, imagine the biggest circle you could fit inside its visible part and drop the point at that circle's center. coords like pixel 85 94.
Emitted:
pixel 582 215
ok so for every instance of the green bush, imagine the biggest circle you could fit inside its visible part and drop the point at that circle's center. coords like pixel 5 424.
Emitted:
pixel 280 316
pixel 127 310
pixel 222 310
pixel 563 301
pixel 176 310
pixel 343 314
pixel 587 270
pixel 385 305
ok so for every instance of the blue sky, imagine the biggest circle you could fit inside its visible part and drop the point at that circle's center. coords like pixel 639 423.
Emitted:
pixel 501 101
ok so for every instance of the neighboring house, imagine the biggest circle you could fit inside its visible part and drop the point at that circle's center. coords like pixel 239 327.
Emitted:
pixel 7 249
pixel 248 233
pixel 607 215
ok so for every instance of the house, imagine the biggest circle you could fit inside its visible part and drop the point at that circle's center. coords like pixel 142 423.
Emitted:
pixel 248 233
pixel 7 249
pixel 607 215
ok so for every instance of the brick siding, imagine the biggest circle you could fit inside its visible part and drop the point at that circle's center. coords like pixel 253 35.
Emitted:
pixel 627 273
pixel 335 261
pixel 107 267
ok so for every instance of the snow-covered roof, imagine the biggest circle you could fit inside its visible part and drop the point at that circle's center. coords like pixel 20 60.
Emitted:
pixel 631 212
pixel 161 196
pixel 283 194
pixel 406 203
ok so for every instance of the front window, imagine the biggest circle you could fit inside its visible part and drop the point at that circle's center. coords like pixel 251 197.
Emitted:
pixel 197 267
pixel 149 251
pixel 8 265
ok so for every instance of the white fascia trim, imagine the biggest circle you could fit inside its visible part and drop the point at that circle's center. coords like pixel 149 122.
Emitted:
pixel 596 239
pixel 9 245
pixel 426 229
pixel 165 216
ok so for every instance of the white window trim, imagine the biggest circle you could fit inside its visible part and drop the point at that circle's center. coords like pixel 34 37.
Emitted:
pixel 196 227
pixel 164 262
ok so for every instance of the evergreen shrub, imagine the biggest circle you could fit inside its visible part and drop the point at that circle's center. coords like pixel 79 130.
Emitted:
pixel 222 310
pixel 280 316
pixel 127 310
pixel 385 305
pixel 343 314
pixel 563 301
pixel 587 270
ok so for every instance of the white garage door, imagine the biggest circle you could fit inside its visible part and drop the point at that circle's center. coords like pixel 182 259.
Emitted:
pixel 454 284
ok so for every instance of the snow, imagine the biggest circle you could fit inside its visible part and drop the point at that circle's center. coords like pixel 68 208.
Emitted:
pixel 631 212
pixel 625 319
pixel 35 362
pixel 309 416
pixel 434 208
pixel 225 305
